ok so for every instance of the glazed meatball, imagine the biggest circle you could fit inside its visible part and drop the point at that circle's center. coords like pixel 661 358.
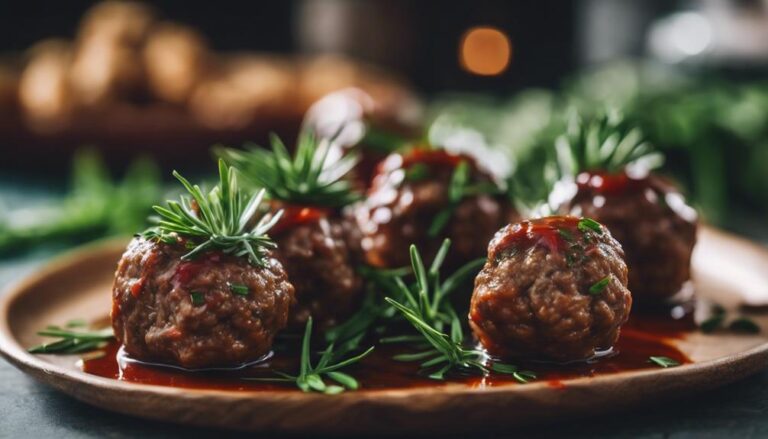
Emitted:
pixel 651 220
pixel 320 263
pixel 408 192
pixel 213 311
pixel 553 288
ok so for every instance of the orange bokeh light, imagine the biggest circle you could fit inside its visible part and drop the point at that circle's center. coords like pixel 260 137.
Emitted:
pixel 485 51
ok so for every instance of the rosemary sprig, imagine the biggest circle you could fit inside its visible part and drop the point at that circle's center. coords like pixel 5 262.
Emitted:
pixel 600 285
pixel 71 341
pixel 310 177
pixel 377 316
pixel 605 142
pixel 311 377
pixel 425 308
pixel 459 188
pixel 219 220
pixel 95 205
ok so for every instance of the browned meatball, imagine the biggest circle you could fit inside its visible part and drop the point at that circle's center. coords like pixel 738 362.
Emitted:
pixel 553 288
pixel 315 250
pixel 409 191
pixel 651 220
pixel 213 311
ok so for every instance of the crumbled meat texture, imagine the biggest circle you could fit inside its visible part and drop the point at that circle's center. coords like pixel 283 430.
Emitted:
pixel 655 228
pixel 155 318
pixel 398 213
pixel 321 266
pixel 533 303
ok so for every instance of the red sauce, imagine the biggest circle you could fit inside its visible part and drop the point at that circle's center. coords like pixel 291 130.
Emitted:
pixel 609 183
pixel 187 270
pixel 432 157
pixel 643 336
pixel 297 215
pixel 555 232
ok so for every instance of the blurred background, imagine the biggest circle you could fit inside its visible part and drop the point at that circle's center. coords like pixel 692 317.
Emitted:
pixel 100 99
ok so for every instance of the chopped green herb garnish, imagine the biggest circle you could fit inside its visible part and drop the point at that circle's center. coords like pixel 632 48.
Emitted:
pixel 588 224
pixel 711 324
pixel 310 377
pixel 565 234
pixel 218 220
pixel 238 289
pixel 600 285
pixel 745 325
pixel 72 342
pixel 198 298
pixel 664 362
pixel 417 172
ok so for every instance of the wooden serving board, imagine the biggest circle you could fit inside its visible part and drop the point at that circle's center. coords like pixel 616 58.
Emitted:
pixel 79 285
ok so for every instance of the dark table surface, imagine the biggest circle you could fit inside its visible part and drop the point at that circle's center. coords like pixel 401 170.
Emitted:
pixel 30 409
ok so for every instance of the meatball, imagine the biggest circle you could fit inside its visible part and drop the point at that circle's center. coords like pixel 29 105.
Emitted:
pixel 315 249
pixel 408 192
pixel 553 288
pixel 214 311
pixel 651 220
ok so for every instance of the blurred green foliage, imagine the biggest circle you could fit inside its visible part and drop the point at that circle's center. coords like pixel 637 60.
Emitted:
pixel 95 206
pixel 713 132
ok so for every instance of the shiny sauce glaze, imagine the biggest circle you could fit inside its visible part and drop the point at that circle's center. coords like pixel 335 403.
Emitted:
pixel 294 215
pixel 602 188
pixel 558 233
pixel 606 183
pixel 645 335
pixel 433 159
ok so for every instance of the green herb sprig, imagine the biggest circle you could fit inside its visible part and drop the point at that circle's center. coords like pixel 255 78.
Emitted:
pixel 459 188
pixel 307 178
pixel 311 377
pixel 600 285
pixel 95 206
pixel 605 142
pixel 72 341
pixel 218 220
pixel 425 308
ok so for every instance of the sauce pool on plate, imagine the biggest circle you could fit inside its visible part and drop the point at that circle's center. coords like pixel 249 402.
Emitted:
pixel 645 335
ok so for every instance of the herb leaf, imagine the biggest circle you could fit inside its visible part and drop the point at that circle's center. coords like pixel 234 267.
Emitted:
pixel 424 307
pixel 588 224
pixel 239 289
pixel 745 325
pixel 664 362
pixel 198 298
pixel 711 324
pixel 217 220
pixel 600 285
pixel 310 377
pixel 72 342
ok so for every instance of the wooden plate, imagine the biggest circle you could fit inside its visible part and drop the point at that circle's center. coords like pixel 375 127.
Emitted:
pixel 78 285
